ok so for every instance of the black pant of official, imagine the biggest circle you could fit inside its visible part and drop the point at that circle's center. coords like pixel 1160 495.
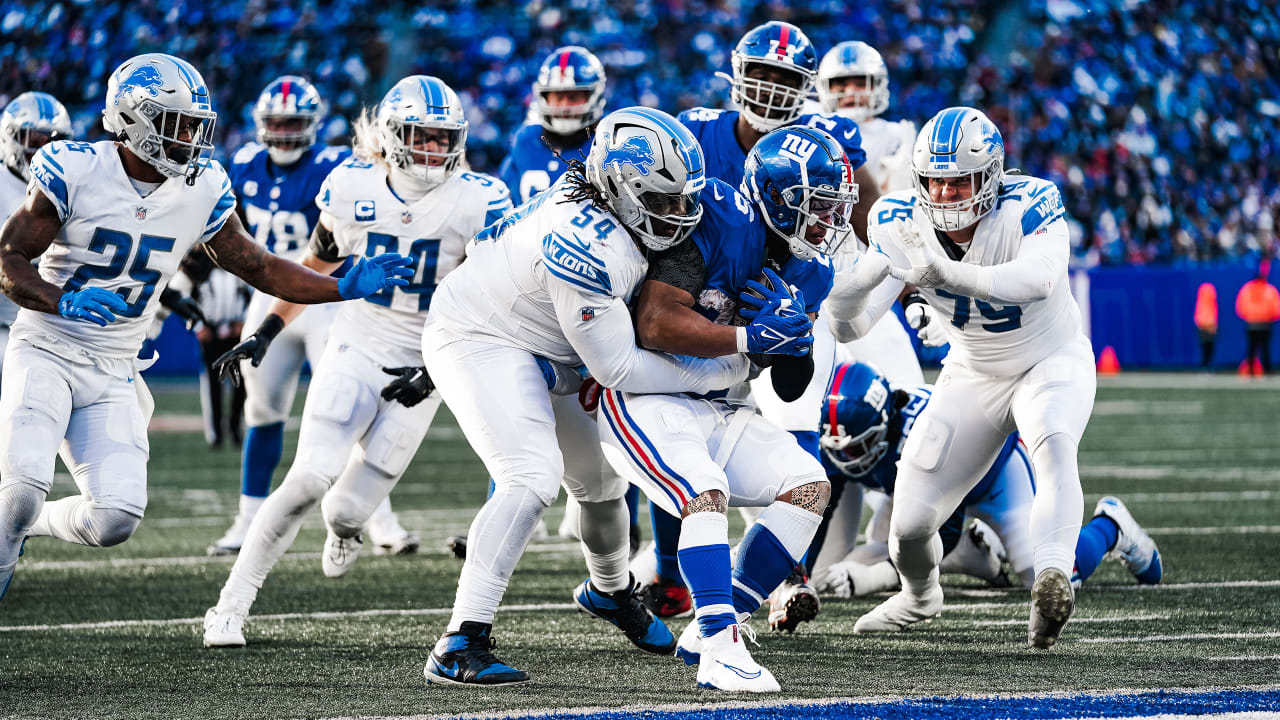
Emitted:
pixel 1259 337
pixel 211 396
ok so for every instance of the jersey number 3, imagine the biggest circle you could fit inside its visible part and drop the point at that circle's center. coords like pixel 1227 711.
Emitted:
pixel 1006 318
pixel 122 242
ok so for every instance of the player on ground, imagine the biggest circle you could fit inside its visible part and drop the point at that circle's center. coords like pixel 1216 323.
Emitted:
pixel 28 122
pixel 866 423
pixel 988 250
pixel 359 431
pixel 110 222
pixel 544 291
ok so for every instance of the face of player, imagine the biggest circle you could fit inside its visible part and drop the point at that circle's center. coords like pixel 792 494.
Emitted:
pixel 950 189
pixel 295 126
pixel 851 91
pixel 180 134
pixel 566 98
pixel 428 146
pixel 771 107
pixel 33 140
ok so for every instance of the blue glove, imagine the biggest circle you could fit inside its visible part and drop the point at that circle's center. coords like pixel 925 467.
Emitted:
pixel 756 296
pixel 561 379
pixel 777 330
pixel 373 274
pixel 94 304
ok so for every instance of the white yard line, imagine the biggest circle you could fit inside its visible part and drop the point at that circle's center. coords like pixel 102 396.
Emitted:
pixel 1188 381
pixel 1075 620
pixel 1196 496
pixel 1148 407
pixel 1229 530
pixel 1268 476
pixel 1177 638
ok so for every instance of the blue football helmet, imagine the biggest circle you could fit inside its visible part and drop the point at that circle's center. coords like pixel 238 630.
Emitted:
pixel 855 419
pixel 959 142
pixel 802 182
pixel 287 116
pixel 568 69
pixel 764 103
pixel 159 107
pixel 28 122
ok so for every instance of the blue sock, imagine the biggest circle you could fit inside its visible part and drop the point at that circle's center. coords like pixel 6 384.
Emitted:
pixel 633 504
pixel 809 442
pixel 763 562
pixel 1096 540
pixel 666 541
pixel 704 560
pixel 263 447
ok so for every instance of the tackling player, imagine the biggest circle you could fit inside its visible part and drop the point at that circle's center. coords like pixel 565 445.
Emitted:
pixel 989 251
pixel 110 222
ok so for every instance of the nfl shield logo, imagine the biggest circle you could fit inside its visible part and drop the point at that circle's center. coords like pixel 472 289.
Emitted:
pixel 406 217
pixel 141 213
pixel 588 313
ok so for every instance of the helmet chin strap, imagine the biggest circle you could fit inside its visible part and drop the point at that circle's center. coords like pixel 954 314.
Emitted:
pixel 408 186
pixel 280 156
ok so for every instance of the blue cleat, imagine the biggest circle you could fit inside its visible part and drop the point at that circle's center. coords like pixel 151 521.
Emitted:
pixel 465 657
pixel 626 610
pixel 1134 546
pixel 22 549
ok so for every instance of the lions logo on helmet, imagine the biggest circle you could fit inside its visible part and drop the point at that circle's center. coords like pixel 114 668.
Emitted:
pixel 420 113
pixel 158 106
pixel 650 171
pixel 287 116
pixel 863 80
pixel 802 182
pixel 959 142
pixel 855 419
pixel 773 71
pixel 570 69
pixel 29 122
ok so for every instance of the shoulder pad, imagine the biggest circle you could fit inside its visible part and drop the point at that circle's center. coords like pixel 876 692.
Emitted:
pixel 341 195
pixel 699 115
pixel 246 154
pixel 897 205
pixel 728 201
pixel 1041 205
pixel 331 155
pixel 215 178
pixel 49 173
pixel 570 259
pixel 486 194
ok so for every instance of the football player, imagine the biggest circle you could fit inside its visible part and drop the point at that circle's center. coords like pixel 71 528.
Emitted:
pixel 110 222
pixel 542 292
pixel 989 251
pixel 407 193
pixel 694 456
pixel 28 122
pixel 866 423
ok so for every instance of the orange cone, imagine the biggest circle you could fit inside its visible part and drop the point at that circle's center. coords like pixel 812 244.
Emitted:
pixel 1244 370
pixel 1257 367
pixel 1108 363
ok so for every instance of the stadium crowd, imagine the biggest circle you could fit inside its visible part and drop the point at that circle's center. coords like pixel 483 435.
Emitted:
pixel 1159 120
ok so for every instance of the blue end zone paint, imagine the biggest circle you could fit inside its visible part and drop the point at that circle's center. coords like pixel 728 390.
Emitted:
pixel 959 708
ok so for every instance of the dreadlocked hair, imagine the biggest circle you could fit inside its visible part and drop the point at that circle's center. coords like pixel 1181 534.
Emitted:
pixel 581 189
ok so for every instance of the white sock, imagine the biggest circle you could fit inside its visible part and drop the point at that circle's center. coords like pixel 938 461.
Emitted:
pixel 793 526
pixel 249 506
pixel 499 535
pixel 606 543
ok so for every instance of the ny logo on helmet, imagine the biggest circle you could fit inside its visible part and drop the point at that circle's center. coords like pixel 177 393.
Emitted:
pixel 634 151
pixel 790 49
pixel 146 77
pixel 798 148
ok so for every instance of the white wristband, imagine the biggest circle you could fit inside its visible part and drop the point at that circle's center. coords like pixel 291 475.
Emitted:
pixel 742 339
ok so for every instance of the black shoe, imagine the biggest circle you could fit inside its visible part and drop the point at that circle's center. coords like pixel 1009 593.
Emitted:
pixel 457 545
pixel 625 609
pixel 465 657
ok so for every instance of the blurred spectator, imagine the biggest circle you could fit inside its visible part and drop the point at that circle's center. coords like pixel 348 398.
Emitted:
pixel 1207 322
pixel 1258 305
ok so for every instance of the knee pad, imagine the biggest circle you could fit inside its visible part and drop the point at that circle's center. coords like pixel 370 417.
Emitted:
pixel 916 517
pixel 302 489
pixel 20 503
pixel 345 514
pixel 111 526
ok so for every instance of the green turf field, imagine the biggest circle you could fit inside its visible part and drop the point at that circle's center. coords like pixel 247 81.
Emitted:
pixel 115 633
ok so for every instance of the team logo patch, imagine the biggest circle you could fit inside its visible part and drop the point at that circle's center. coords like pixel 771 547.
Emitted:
pixel 140 213
pixel 634 151
pixel 146 77
pixel 406 217
pixel 588 314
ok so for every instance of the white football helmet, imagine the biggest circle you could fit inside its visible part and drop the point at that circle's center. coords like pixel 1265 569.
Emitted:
pixel 418 106
pixel 651 171
pixel 959 142
pixel 158 106
pixel 28 122
pixel 853 59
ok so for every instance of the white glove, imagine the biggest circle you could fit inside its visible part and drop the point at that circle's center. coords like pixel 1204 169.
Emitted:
pixel 850 290
pixel 931 270
pixel 928 324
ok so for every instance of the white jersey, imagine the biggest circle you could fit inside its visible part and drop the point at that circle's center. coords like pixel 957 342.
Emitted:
pixel 888 146
pixel 369 219
pixel 501 292
pixel 989 338
pixel 113 238
pixel 13 190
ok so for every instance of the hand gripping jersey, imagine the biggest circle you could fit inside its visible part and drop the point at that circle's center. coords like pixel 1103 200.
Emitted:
pixel 280 202
pixel 369 219
pixel 531 167
pixel 725 156
pixel 13 190
pixel 888 145
pixel 988 337
pixel 113 238
pixel 501 293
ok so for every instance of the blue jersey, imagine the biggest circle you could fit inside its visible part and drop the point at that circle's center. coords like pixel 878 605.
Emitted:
pixel 531 167
pixel 885 473
pixel 726 158
pixel 280 202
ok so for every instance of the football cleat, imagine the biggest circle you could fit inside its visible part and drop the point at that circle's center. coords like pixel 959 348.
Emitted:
pixel 793 602
pixel 231 541
pixel 22 549
pixel 727 665
pixel 1134 546
pixel 457 544
pixel 465 657
pixel 689 646
pixel 668 599
pixel 627 612
pixel 976 555
pixel 339 554
pixel 901 610
pixel 388 536
pixel 1052 601
pixel 223 629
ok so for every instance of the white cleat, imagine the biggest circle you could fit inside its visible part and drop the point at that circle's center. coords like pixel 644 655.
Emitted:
pixel 1134 546
pixel 726 665
pixel 901 610
pixel 339 554
pixel 231 542
pixel 223 630
pixel 1052 601
pixel 976 555
pixel 689 646
pixel 389 537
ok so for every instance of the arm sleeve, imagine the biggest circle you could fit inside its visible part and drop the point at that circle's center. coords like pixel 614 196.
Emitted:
pixel 1041 261
pixel 607 345
pixel 855 304
pixel 324 245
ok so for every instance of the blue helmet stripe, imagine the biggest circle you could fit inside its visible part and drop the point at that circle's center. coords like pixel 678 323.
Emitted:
pixel 45 107
pixel 435 95
pixel 947 126
pixel 681 133
pixel 850 53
